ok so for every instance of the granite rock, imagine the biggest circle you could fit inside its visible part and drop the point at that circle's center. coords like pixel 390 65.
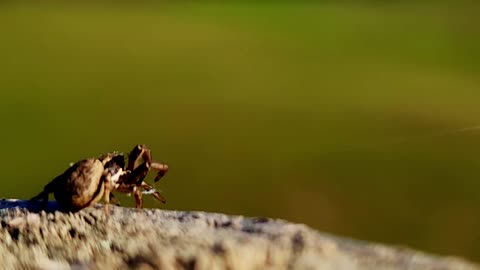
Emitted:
pixel 129 238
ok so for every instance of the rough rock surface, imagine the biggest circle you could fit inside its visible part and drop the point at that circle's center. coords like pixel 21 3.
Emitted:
pixel 156 239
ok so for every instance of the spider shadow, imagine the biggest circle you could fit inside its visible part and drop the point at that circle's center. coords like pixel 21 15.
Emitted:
pixel 31 206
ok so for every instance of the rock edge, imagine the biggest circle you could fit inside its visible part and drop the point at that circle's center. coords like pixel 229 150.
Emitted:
pixel 157 239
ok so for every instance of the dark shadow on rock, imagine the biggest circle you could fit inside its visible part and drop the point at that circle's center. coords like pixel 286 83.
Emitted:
pixel 32 206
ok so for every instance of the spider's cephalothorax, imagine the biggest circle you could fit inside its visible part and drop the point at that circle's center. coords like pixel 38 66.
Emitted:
pixel 87 181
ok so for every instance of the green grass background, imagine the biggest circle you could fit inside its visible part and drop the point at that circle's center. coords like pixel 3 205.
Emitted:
pixel 339 115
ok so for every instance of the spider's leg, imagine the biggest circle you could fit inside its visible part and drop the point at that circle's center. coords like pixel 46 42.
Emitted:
pixel 162 169
pixel 43 196
pixel 136 176
pixel 154 193
pixel 138 197
pixel 137 173
pixel 147 155
pixel 114 200
pixel 138 152
pixel 49 188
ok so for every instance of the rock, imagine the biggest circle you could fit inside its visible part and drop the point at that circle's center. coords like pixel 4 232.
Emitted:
pixel 157 239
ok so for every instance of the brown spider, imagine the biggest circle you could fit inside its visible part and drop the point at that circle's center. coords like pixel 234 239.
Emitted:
pixel 87 181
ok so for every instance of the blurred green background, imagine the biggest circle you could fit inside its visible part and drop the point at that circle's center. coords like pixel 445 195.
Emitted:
pixel 341 115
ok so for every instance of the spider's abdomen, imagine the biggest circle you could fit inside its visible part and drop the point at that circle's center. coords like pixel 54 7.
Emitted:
pixel 80 185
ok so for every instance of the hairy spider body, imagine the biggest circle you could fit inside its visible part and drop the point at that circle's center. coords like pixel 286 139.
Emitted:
pixel 87 181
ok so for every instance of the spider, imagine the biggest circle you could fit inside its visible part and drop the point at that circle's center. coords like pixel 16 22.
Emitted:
pixel 88 180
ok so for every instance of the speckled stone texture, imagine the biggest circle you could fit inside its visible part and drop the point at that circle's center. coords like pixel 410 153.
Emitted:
pixel 156 239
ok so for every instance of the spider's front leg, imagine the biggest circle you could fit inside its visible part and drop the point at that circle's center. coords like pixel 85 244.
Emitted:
pixel 161 168
pixel 134 179
pixel 131 181
pixel 151 190
pixel 137 173
pixel 148 190
pixel 138 152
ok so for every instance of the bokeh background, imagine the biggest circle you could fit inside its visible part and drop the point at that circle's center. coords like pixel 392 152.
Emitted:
pixel 350 116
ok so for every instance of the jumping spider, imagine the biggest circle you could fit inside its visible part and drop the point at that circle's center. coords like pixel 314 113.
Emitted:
pixel 87 181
